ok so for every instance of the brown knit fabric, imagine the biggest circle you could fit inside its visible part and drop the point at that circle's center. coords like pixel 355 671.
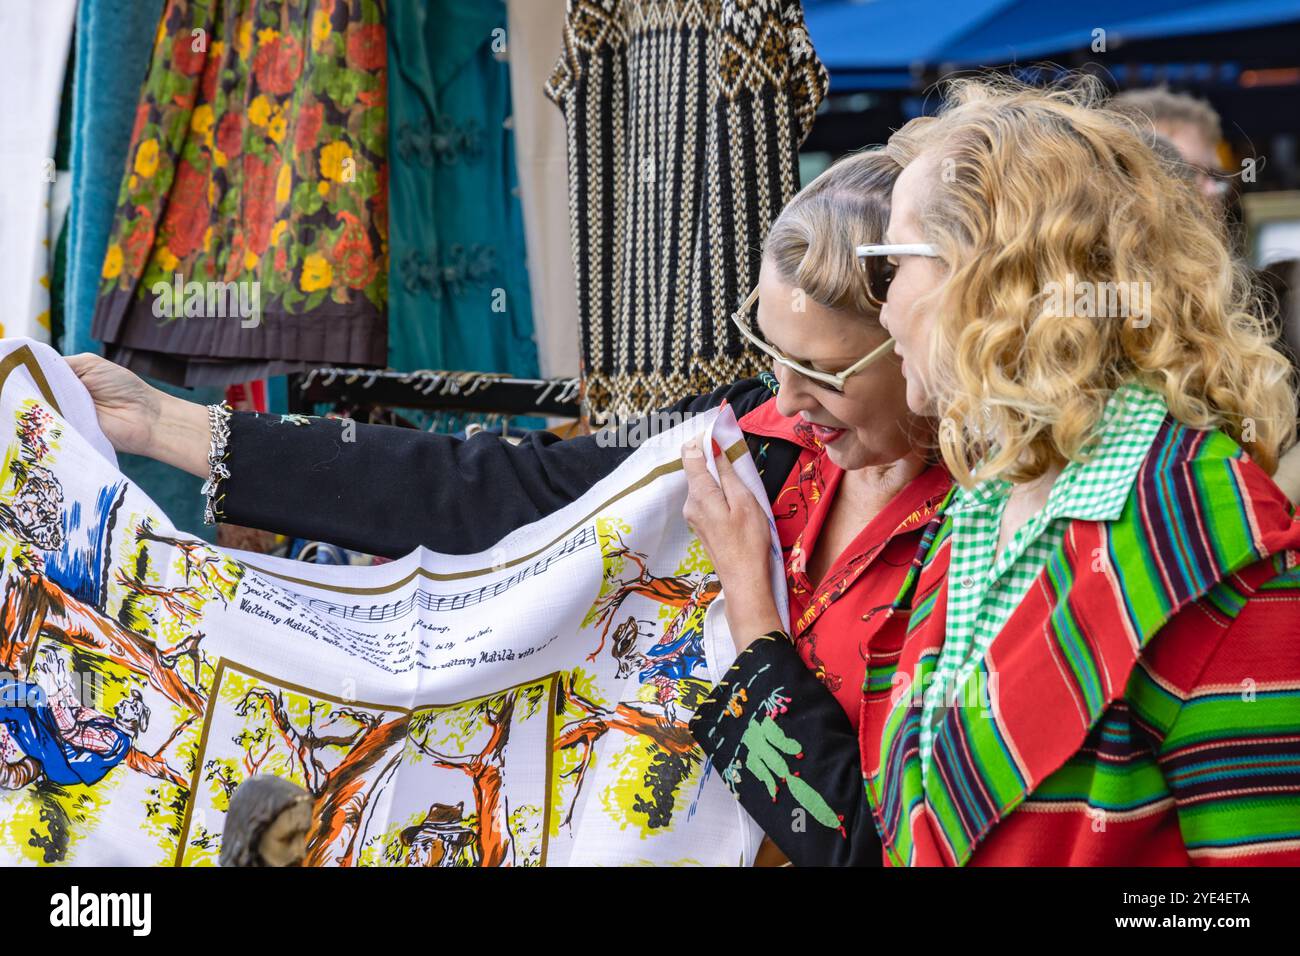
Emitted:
pixel 684 119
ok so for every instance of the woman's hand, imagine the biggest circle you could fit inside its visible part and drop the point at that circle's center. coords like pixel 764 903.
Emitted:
pixel 734 531
pixel 138 419
pixel 128 409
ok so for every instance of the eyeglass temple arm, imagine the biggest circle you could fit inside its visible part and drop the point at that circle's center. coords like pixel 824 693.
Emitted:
pixel 877 352
pixel 897 249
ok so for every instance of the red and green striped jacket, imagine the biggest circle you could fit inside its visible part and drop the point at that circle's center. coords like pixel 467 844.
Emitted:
pixel 1142 703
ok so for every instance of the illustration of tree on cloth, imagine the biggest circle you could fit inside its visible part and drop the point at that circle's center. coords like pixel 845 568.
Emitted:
pixel 473 739
pixel 660 756
pixel 666 657
pixel 667 668
pixel 342 754
pixel 60 575
pixel 627 574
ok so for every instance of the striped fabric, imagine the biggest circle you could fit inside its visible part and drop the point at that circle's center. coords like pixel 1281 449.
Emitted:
pixel 1143 701
pixel 988 590
pixel 684 121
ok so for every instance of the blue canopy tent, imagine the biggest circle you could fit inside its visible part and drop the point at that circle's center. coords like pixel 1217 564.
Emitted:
pixel 884 57
pixel 882 44
pixel 892 44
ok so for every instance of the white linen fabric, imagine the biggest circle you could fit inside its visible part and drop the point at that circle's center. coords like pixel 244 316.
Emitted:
pixel 34 42
pixel 523 706
pixel 541 158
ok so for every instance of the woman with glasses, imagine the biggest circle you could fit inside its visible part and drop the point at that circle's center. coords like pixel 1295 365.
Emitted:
pixel 851 518
pixel 1101 665
pixel 844 461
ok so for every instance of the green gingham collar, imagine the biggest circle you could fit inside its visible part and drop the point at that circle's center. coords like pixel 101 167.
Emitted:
pixel 1096 487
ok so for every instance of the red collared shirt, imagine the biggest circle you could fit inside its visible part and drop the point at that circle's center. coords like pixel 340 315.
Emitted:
pixel 841 624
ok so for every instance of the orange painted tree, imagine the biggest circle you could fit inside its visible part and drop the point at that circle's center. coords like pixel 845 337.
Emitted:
pixel 485 766
pixel 675 590
pixel 676 751
pixel 343 792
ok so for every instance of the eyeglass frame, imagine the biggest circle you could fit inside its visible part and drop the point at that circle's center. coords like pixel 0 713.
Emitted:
pixel 832 380
pixel 891 249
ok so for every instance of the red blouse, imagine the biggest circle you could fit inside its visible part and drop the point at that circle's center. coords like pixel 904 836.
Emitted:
pixel 827 618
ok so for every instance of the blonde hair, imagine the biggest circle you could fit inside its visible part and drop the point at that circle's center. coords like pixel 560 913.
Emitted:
pixel 1035 190
pixel 811 244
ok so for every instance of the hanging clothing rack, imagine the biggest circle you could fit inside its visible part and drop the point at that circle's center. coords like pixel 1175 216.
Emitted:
pixel 483 392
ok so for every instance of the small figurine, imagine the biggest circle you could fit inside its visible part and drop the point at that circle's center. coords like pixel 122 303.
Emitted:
pixel 267 823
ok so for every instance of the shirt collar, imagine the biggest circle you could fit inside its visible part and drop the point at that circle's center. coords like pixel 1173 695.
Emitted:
pixel 767 422
pixel 1096 487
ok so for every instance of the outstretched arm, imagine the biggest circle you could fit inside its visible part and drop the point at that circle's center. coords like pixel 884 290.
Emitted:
pixel 388 490
pixel 373 488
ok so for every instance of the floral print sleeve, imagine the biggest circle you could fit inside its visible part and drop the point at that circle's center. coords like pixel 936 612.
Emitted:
pixel 258 155
pixel 784 747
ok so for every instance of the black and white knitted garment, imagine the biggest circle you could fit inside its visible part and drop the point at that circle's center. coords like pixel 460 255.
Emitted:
pixel 684 119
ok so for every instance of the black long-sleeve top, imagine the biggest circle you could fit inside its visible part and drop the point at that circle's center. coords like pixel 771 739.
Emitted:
pixel 389 490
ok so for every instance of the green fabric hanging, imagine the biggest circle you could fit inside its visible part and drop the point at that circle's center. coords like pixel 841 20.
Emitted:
pixel 458 286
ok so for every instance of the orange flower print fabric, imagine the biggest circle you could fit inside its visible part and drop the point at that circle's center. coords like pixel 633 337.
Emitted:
pixel 258 171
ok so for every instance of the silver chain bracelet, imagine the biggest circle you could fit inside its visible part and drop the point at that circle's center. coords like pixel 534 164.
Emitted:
pixel 218 471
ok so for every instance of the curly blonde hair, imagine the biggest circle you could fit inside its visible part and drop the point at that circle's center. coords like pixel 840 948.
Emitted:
pixel 1038 190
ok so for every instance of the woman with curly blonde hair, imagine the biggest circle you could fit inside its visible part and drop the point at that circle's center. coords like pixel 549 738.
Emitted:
pixel 1101 666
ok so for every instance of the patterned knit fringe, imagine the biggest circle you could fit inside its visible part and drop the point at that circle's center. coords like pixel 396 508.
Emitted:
pixel 684 119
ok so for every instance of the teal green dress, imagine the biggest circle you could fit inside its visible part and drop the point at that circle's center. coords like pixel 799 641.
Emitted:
pixel 458 286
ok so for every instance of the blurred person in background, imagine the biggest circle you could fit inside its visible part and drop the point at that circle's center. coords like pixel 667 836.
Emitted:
pixel 1190 125
pixel 1185 132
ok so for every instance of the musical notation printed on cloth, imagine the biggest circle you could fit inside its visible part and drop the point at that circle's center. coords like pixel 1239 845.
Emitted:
pixel 584 538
